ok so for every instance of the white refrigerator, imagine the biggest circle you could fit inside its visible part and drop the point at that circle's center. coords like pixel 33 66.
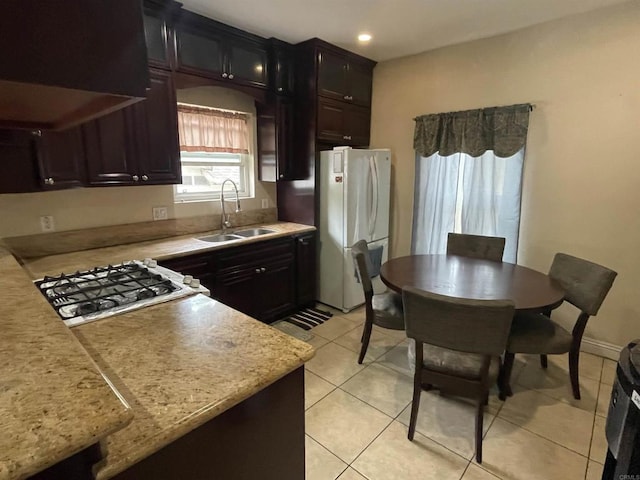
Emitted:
pixel 354 204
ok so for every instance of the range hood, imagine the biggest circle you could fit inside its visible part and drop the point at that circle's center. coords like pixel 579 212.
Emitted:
pixel 64 63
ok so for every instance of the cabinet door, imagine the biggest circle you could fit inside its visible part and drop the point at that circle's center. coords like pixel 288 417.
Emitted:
pixel 358 125
pixel 18 162
pixel 275 141
pixel 235 287
pixel 199 53
pixel 332 76
pixel 283 71
pixel 109 149
pixel 360 79
pixel 247 64
pixel 274 288
pixel 156 132
pixel 331 121
pixel 61 158
pixel 306 269
pixel 156 37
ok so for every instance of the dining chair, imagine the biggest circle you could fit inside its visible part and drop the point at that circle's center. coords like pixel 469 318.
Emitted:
pixel 586 285
pixel 458 344
pixel 475 246
pixel 382 309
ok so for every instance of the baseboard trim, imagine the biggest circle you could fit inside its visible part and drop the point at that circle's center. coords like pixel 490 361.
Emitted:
pixel 602 349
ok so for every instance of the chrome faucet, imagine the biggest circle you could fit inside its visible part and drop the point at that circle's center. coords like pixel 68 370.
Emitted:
pixel 224 220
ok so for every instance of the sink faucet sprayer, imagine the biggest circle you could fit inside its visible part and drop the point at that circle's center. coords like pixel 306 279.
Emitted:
pixel 224 220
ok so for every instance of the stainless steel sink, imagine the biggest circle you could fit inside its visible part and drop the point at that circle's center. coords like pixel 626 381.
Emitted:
pixel 254 232
pixel 221 237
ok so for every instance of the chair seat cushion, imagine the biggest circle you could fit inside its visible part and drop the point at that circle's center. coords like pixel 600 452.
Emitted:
pixel 465 365
pixel 387 310
pixel 537 334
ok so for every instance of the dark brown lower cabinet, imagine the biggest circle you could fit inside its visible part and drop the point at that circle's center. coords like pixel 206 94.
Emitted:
pixel 266 280
pixel 76 467
pixel 260 438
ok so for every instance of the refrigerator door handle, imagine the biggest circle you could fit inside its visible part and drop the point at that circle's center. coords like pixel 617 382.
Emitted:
pixel 373 212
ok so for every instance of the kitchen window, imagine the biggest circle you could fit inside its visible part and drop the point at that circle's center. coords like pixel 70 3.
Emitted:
pixel 214 146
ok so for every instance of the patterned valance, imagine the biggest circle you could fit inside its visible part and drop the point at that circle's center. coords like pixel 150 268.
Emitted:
pixel 501 129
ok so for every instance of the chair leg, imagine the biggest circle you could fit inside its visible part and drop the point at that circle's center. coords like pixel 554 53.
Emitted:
pixel 366 335
pixel 479 428
pixel 504 383
pixel 415 405
pixel 543 361
pixel 574 360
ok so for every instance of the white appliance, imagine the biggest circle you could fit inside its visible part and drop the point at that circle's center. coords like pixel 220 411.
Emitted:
pixel 354 205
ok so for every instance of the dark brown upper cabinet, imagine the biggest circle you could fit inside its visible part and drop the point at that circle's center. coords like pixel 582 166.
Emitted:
pixel 276 140
pixel 60 158
pixel 282 67
pixel 343 124
pixel 342 78
pixel 211 49
pixel 63 65
pixel 157 17
pixel 137 145
pixel 37 160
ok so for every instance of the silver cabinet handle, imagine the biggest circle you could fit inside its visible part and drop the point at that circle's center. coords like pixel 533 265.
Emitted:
pixel 135 178
pixel 49 181
pixel 231 76
pixel 225 75
pixel 302 241
pixel 282 175
pixel 280 89
pixel 257 270
pixel 36 133
pixel 145 178
pixel 263 269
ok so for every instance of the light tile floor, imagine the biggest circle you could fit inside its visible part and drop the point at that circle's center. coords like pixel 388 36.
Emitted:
pixel 357 416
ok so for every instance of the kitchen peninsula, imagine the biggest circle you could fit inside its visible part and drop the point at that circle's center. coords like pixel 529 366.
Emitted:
pixel 182 389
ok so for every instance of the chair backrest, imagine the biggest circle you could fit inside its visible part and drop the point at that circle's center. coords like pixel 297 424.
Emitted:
pixel 475 246
pixel 586 283
pixel 474 326
pixel 360 254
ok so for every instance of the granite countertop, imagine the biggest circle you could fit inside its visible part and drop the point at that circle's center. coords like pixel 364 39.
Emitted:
pixel 138 380
pixel 161 249
pixel 54 400
pixel 181 363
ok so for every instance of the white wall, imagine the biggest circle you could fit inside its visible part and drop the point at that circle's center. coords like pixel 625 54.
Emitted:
pixel 581 187
pixel 100 206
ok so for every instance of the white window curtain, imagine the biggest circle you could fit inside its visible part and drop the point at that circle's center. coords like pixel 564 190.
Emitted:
pixel 203 129
pixel 469 176
pixel 464 194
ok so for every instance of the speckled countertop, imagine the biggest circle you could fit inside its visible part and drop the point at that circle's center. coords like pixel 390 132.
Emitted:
pixel 177 364
pixel 54 401
pixel 159 249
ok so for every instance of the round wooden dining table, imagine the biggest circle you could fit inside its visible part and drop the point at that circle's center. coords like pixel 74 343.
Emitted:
pixel 473 278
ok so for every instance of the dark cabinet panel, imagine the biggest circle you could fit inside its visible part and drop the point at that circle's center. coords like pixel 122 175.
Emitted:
pixel 343 123
pixel 332 76
pixel 275 140
pixel 306 269
pixel 199 54
pixel 156 36
pixel 247 64
pixel 18 162
pixel 275 288
pixel 61 158
pixel 360 79
pixel 198 266
pixel 110 149
pixel 282 67
pixel 157 132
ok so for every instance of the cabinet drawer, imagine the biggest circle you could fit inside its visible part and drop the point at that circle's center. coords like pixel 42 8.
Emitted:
pixel 250 255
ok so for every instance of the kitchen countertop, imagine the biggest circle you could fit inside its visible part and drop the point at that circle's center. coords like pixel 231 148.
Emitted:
pixel 161 249
pixel 55 400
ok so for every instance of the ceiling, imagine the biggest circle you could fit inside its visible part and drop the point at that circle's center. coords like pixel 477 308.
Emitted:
pixel 398 27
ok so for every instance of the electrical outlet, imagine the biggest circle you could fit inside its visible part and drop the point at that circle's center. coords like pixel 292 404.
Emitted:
pixel 46 223
pixel 160 213
pixel 265 203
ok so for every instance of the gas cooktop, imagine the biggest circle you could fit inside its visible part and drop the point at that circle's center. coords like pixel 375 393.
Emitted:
pixel 100 292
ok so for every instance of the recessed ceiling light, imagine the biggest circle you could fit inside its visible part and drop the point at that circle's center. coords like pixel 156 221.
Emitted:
pixel 364 37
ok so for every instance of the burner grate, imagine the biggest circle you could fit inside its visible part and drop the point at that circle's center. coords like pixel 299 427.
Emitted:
pixel 102 288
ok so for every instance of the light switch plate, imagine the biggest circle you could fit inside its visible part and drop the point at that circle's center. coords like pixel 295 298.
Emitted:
pixel 160 213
